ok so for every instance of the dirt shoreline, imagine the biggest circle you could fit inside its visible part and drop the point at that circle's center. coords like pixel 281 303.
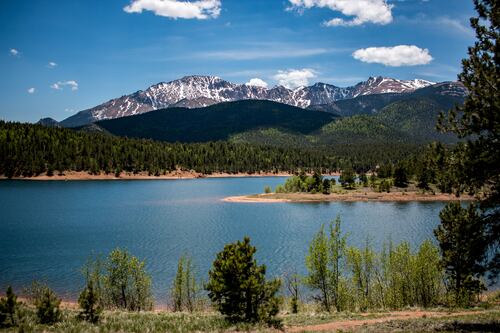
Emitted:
pixel 180 174
pixel 347 197
pixel 342 325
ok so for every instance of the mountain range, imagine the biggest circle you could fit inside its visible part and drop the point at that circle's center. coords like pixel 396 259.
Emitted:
pixel 407 118
pixel 201 91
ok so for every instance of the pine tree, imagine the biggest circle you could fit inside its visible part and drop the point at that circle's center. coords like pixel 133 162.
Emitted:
pixel 90 303
pixel 237 285
pixel 347 178
pixel 400 176
pixel 47 306
pixel 8 309
pixel 478 121
pixel 461 240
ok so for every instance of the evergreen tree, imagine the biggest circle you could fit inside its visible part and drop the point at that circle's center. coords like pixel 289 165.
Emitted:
pixel 90 303
pixel 237 285
pixel 461 240
pixel 326 186
pixel 8 309
pixel 363 179
pixel 478 121
pixel 47 304
pixel 400 176
pixel 347 178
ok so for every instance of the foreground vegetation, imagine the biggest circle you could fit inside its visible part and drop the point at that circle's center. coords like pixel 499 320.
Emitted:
pixel 481 319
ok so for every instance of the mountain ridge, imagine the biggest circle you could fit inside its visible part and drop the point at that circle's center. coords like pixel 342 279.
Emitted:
pixel 198 90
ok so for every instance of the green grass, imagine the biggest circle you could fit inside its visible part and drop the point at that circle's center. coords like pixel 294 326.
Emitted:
pixel 118 321
pixel 130 322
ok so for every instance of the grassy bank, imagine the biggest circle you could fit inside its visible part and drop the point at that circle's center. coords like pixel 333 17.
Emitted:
pixel 414 320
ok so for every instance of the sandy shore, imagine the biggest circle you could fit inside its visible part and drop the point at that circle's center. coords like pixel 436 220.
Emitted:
pixel 349 197
pixel 179 174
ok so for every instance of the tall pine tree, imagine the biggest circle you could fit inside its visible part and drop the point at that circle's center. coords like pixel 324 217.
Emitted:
pixel 478 123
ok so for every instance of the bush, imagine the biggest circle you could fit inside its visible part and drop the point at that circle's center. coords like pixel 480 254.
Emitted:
pixel 384 186
pixel 46 303
pixel 267 189
pixel 238 288
pixel 8 309
pixel 90 303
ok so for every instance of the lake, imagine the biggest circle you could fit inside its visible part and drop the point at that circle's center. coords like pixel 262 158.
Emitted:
pixel 49 229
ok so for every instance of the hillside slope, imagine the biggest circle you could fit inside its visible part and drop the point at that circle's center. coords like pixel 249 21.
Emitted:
pixel 408 121
pixel 217 122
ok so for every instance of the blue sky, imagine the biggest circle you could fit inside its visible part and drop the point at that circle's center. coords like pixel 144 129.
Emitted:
pixel 58 57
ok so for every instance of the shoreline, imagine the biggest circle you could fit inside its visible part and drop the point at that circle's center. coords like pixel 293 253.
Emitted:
pixel 174 175
pixel 346 197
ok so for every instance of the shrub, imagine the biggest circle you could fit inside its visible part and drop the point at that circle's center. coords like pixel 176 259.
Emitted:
pixel 238 288
pixel 8 309
pixel 90 303
pixel 267 189
pixel 384 186
pixel 46 303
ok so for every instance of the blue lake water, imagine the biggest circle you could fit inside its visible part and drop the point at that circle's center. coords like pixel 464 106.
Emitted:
pixel 49 229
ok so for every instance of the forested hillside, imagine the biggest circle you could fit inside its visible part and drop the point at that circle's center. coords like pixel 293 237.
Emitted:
pixel 216 122
pixel 28 150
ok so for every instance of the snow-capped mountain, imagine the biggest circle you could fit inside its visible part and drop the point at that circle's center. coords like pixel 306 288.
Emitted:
pixel 385 85
pixel 200 91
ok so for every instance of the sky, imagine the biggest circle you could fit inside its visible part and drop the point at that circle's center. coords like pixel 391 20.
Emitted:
pixel 58 57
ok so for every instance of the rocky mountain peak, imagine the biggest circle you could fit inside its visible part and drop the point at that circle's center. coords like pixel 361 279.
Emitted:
pixel 202 90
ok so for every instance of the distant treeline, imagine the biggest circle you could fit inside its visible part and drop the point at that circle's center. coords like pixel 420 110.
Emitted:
pixel 28 150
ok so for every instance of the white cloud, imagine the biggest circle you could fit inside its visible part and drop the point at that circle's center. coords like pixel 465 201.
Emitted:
pixel 362 11
pixel 51 65
pixel 396 56
pixel 200 9
pixel 61 84
pixel 257 83
pixel 294 78
pixel 31 90
pixel 14 52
